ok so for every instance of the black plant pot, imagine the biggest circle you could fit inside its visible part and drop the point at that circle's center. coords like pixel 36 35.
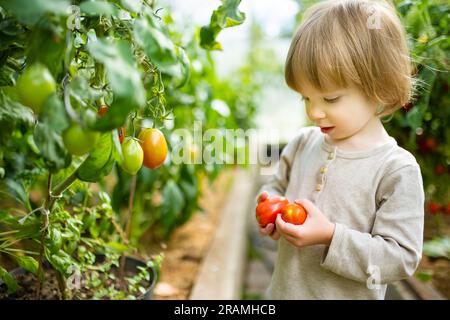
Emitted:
pixel 131 265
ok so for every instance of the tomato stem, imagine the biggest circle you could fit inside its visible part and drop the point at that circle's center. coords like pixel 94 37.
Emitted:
pixel 43 233
pixel 128 225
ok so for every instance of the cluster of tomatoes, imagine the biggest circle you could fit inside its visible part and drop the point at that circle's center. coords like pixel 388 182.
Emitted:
pixel 36 85
pixel 269 207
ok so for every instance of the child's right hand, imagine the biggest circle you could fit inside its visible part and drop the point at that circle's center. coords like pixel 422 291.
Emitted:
pixel 269 229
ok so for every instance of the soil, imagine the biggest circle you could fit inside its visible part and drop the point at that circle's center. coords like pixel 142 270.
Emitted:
pixel 28 288
pixel 184 252
pixel 439 268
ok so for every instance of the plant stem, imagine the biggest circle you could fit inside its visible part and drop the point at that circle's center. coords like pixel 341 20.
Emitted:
pixel 60 188
pixel 43 233
pixel 128 225
pixel 61 285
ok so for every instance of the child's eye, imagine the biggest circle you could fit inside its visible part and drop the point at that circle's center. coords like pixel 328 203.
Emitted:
pixel 331 100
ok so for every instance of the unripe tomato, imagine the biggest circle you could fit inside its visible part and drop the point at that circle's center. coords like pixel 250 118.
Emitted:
pixel 133 156
pixel 268 209
pixel 79 141
pixel 35 86
pixel 293 213
pixel 154 145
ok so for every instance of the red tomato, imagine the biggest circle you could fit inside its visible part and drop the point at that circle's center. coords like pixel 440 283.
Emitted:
pixel 268 209
pixel 294 213
pixel 433 207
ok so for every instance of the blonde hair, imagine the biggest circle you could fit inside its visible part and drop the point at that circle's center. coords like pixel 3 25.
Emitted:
pixel 353 42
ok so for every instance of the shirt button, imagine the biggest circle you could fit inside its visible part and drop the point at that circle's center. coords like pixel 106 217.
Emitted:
pixel 318 187
pixel 330 156
pixel 323 170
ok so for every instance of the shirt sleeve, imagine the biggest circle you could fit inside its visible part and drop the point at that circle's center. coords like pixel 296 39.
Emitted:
pixel 393 250
pixel 277 184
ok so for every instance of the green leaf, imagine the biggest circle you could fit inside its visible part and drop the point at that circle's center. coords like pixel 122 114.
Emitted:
pixel 9 280
pixel 123 75
pixel 100 161
pixel 11 114
pixel 17 191
pixel 13 111
pixel 47 134
pixel 158 47
pixel 61 261
pixel 119 247
pixel 425 276
pixel 97 8
pixel 6 76
pixel 132 5
pixel 227 15
pixel 27 263
pixel 81 90
pixel 173 203
pixel 437 248
pixel 29 12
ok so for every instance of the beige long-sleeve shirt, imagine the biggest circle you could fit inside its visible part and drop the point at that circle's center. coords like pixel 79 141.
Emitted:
pixel 376 200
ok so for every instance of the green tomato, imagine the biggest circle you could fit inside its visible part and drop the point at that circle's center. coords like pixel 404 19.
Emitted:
pixel 133 156
pixel 35 86
pixel 79 141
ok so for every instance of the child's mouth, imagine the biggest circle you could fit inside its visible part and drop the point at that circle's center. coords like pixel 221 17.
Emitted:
pixel 326 129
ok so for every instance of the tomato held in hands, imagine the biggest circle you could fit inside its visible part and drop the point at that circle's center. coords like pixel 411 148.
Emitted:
pixel 293 213
pixel 268 209
pixel 154 145
pixel 35 86
pixel 132 156
pixel 79 141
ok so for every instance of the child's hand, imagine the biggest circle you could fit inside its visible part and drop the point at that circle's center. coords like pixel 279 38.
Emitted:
pixel 270 230
pixel 317 229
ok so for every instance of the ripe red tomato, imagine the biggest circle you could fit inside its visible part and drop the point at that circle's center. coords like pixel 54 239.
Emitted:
pixel 433 207
pixel 154 145
pixel 294 213
pixel 268 209
pixel 439 169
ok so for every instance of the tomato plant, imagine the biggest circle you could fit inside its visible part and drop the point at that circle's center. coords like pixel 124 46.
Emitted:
pixel 125 61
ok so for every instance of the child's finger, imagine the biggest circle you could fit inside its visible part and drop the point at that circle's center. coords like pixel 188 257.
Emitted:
pixel 267 230
pixel 287 228
pixel 275 235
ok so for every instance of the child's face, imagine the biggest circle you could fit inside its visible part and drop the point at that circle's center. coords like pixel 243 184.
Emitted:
pixel 347 110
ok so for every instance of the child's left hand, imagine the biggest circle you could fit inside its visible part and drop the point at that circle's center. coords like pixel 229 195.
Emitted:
pixel 316 229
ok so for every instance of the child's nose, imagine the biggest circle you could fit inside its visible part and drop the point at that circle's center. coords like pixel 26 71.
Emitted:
pixel 315 113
